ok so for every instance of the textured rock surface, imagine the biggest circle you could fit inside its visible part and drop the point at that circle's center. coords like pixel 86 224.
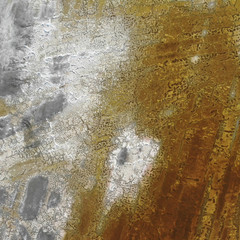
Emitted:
pixel 4 196
pixel 23 233
pixel 119 119
pixel 51 79
pixel 2 231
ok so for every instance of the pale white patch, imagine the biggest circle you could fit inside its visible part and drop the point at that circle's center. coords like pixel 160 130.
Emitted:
pixel 212 5
pixel 204 32
pixel 125 176
pixel 233 94
pixel 195 59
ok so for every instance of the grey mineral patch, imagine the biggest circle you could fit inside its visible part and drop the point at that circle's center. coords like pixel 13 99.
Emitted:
pixel 10 83
pixel 122 156
pixel 56 80
pixel 49 109
pixel 23 233
pixel 6 128
pixel 23 21
pixel 34 196
pixel 13 195
pixel 53 200
pixel 4 196
pixel 14 237
pixel 42 235
pixel 30 138
pixel 47 11
pixel 2 231
pixel 60 63
pixel 23 38
pixel 25 123
pixel 22 15
pixel 33 144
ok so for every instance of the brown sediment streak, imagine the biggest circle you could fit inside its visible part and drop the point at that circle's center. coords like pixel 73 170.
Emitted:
pixel 78 9
pixel 193 190
pixel 4 109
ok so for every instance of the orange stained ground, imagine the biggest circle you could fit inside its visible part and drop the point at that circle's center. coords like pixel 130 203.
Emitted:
pixel 181 86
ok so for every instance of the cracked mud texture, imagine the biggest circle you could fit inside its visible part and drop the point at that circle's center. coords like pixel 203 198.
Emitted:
pixel 119 120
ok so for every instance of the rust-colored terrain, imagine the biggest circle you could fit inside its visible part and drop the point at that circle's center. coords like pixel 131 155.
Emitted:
pixel 181 86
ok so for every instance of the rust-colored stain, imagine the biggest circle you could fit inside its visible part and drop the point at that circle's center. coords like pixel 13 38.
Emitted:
pixel 181 87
